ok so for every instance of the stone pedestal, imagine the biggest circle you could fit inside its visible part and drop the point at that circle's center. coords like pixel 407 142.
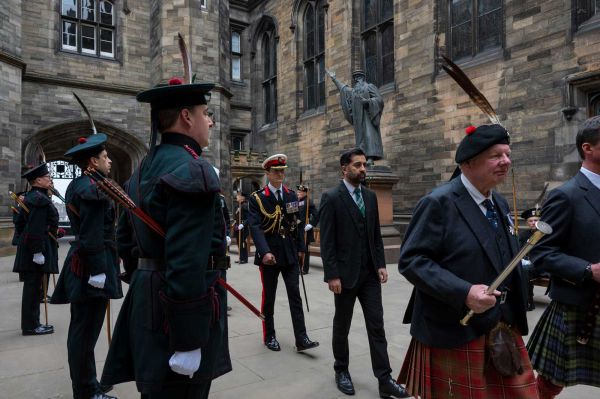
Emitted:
pixel 380 179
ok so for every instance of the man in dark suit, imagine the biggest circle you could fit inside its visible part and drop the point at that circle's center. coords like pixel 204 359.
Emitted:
pixel 354 266
pixel 458 241
pixel 565 344
pixel 273 220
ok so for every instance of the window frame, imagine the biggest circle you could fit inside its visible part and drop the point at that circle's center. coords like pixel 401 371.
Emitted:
pixel 97 25
pixel 236 54
pixel 592 9
pixel 377 28
pixel 269 76
pixel 313 60
pixel 474 25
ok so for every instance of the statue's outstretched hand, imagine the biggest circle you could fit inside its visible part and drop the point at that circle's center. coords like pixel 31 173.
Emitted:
pixel 332 74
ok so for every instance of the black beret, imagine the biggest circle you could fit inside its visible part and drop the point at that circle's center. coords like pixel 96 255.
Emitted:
pixel 87 147
pixel 176 94
pixel 480 139
pixel 38 171
pixel 537 212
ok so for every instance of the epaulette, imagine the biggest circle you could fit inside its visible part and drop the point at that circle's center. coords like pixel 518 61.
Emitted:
pixel 196 176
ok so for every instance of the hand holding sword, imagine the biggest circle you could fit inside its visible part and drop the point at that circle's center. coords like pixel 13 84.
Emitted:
pixel 542 229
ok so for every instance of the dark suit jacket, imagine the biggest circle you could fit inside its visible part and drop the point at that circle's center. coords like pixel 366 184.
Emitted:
pixel 573 211
pixel 340 222
pixel 285 249
pixel 448 247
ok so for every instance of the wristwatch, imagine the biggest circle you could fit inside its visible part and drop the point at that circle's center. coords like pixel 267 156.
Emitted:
pixel 587 273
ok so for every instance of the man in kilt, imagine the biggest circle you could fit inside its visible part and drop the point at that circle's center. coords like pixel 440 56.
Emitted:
pixel 565 344
pixel 457 243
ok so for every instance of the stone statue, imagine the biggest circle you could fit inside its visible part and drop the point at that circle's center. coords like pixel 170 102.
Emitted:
pixel 362 105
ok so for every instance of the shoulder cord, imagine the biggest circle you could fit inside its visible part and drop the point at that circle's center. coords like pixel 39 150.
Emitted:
pixel 273 219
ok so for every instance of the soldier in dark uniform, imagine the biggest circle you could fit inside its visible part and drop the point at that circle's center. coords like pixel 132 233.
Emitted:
pixel 307 228
pixel 241 232
pixel 171 333
pixel 273 220
pixel 36 249
pixel 531 216
pixel 88 279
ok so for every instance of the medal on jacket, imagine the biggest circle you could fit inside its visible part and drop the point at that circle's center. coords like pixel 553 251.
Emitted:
pixel 291 207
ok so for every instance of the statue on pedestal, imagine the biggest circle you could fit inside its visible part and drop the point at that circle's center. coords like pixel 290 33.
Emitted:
pixel 362 105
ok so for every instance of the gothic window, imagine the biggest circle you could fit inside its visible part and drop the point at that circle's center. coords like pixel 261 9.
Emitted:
pixel 269 82
pixel 237 142
pixel 314 55
pixel 88 27
pixel 586 11
pixel 378 40
pixel 236 56
pixel 474 27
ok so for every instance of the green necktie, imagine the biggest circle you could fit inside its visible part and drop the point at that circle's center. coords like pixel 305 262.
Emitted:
pixel 359 201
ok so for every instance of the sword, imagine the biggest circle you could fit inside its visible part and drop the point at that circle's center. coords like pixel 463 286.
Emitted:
pixel 542 229
pixel 117 193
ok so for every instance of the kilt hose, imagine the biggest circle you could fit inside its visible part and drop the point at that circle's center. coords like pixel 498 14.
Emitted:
pixel 463 373
pixel 555 353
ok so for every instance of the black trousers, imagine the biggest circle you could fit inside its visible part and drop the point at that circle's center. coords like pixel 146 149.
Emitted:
pixel 183 391
pixel 30 301
pixel 243 244
pixel 87 318
pixel 306 264
pixel 269 276
pixel 368 292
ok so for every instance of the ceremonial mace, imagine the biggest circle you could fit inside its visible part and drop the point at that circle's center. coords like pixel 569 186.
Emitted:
pixel 116 193
pixel 543 228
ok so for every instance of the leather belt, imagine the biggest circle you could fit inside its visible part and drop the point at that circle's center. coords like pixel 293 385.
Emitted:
pixel 158 265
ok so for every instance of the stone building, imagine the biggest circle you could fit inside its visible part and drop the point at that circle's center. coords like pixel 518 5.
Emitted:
pixel 538 63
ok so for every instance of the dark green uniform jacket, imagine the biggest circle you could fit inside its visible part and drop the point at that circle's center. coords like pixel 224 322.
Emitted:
pixel 32 233
pixel 93 251
pixel 178 306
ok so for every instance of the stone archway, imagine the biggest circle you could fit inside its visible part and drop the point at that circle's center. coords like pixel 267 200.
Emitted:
pixel 125 150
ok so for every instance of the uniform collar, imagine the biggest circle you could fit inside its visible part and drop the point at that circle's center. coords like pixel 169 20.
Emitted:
pixel 180 140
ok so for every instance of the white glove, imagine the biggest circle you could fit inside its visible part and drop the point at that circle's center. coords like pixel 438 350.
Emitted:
pixel 240 226
pixel 525 262
pixel 228 239
pixel 97 280
pixel 39 258
pixel 186 363
pixel 308 227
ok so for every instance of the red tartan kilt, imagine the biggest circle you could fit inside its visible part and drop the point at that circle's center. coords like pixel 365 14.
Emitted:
pixel 464 372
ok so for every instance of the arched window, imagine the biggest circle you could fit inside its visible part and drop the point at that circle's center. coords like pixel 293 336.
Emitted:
pixel 377 35
pixel 474 27
pixel 269 82
pixel 88 27
pixel 314 55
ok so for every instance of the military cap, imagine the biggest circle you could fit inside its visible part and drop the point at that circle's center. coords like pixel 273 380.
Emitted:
pixel 537 212
pixel 176 94
pixel 88 146
pixel 35 172
pixel 277 161
pixel 479 139
pixel 302 187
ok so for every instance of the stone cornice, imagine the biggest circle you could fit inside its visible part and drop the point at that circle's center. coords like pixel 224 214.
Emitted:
pixel 82 84
pixel 12 60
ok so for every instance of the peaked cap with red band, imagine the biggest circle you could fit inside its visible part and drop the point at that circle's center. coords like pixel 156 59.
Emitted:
pixel 277 161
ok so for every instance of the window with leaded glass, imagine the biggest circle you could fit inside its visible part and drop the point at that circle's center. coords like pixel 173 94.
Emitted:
pixel 377 35
pixel 586 11
pixel 236 56
pixel 237 142
pixel 314 55
pixel 474 27
pixel 88 27
pixel 269 82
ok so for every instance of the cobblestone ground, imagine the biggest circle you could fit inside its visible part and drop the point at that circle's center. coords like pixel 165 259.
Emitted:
pixel 36 367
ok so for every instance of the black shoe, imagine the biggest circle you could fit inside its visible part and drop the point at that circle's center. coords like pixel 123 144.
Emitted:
pixel 388 388
pixel 530 306
pixel 229 308
pixel 106 388
pixel 243 262
pixel 273 344
pixel 40 330
pixel 305 343
pixel 344 382
pixel 103 396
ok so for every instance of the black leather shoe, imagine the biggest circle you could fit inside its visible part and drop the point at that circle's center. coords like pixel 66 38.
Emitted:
pixel 344 382
pixel 305 343
pixel 390 389
pixel 106 388
pixel 530 306
pixel 40 330
pixel 273 344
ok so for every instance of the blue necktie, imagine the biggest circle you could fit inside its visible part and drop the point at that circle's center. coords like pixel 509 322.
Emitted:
pixel 359 201
pixel 490 213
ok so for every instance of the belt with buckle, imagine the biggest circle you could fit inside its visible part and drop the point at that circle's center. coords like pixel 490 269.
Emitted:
pixel 158 265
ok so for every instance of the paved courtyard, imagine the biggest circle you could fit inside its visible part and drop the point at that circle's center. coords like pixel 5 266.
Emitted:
pixel 36 367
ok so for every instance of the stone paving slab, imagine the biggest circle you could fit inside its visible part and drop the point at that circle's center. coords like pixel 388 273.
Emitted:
pixel 36 367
